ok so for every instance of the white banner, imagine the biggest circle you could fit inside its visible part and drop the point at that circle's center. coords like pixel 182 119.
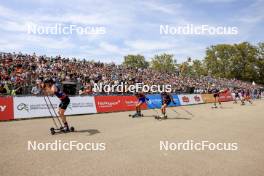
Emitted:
pixel 28 107
pixel 190 99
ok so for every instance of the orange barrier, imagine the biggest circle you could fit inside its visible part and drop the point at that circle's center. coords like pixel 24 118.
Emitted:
pixel 208 98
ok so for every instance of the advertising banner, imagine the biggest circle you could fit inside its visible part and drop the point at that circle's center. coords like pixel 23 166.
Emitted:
pixel 6 108
pixel 116 103
pixel 28 107
pixel 81 105
pixel 225 96
pixel 190 99
pixel 208 98
pixel 155 101
pixel 130 103
pixel 31 106
pixel 176 100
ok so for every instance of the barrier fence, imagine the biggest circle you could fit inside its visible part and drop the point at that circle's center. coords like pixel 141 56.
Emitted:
pixel 33 106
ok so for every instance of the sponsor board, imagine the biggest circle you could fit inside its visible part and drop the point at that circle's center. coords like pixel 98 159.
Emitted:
pixel 190 99
pixel 225 96
pixel 116 103
pixel 81 105
pixel 6 108
pixel 27 107
pixel 155 101
pixel 208 98
pixel 130 102
pixel 176 100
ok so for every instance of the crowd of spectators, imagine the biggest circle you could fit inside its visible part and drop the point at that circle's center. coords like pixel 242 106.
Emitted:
pixel 21 74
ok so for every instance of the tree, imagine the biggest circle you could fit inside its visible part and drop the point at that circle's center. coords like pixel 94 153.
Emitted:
pixel 244 62
pixel 135 61
pixel 260 62
pixel 192 68
pixel 218 60
pixel 164 63
pixel 198 68
pixel 241 61
pixel 185 69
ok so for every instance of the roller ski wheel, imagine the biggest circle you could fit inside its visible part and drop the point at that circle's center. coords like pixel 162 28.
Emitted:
pixel 163 117
pixel 157 117
pixel 132 115
pixel 66 130
pixel 72 129
pixel 214 107
pixel 56 130
pixel 52 131
pixel 160 118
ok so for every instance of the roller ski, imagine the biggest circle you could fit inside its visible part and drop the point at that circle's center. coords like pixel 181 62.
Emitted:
pixel 162 117
pixel 215 106
pixel 136 115
pixel 60 122
pixel 61 130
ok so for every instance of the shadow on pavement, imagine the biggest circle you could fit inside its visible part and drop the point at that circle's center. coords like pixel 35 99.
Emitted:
pixel 90 131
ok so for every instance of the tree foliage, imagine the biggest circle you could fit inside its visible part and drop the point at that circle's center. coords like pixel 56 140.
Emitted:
pixel 163 63
pixel 242 61
pixel 135 61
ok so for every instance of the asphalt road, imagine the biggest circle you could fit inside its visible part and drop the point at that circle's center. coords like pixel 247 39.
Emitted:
pixel 132 146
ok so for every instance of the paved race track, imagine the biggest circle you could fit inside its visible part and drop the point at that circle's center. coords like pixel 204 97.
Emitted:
pixel 133 145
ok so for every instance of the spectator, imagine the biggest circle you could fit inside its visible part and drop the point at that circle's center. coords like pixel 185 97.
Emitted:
pixel 3 90
pixel 36 90
pixel 21 71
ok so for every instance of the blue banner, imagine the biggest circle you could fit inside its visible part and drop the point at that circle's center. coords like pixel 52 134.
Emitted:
pixel 155 101
pixel 176 100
